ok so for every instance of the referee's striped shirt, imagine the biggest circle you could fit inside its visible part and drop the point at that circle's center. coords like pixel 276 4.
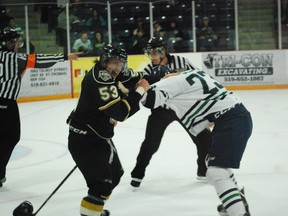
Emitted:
pixel 13 65
pixel 175 63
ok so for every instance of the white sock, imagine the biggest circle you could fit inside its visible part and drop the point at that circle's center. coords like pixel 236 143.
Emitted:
pixel 226 187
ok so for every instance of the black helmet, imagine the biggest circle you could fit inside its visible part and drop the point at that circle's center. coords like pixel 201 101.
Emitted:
pixel 111 52
pixel 155 44
pixel 8 34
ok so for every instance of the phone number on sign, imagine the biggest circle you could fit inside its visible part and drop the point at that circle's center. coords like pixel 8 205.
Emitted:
pixel 42 84
pixel 244 79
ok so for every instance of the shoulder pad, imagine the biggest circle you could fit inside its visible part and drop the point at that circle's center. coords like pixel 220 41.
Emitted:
pixel 103 76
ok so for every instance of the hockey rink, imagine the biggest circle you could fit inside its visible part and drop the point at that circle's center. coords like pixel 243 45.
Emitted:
pixel 41 160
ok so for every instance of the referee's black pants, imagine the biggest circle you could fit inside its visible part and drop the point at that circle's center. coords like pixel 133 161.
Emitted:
pixel 9 131
pixel 157 123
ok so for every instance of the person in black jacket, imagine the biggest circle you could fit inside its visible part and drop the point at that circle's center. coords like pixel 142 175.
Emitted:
pixel 91 125
pixel 161 64
pixel 12 67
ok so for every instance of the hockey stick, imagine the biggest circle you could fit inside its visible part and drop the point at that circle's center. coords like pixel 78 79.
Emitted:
pixel 26 208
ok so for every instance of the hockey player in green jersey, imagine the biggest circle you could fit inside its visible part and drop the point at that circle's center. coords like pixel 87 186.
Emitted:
pixel 198 101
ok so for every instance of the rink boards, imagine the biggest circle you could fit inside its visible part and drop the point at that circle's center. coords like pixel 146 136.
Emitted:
pixel 236 70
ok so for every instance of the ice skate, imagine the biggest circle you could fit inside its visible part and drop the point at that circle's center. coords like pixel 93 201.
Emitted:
pixel 105 212
pixel 2 181
pixel 201 174
pixel 245 201
pixel 135 183
pixel 201 178
pixel 222 211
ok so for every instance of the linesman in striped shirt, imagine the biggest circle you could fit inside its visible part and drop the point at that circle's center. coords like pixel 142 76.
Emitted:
pixel 12 68
pixel 161 64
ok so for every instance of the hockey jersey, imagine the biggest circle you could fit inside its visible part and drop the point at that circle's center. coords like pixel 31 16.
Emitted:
pixel 101 103
pixel 194 96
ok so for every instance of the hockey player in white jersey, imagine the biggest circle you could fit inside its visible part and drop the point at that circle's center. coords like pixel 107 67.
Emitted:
pixel 199 100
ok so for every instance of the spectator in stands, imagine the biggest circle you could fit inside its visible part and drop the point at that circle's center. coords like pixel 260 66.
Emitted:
pixel 140 24
pixel 48 13
pixel 83 44
pixel 164 35
pixel 12 25
pixel 4 18
pixel 207 38
pixel 173 29
pixel 98 43
pixel 138 42
pixel 79 9
pixel 173 35
pixel 157 28
pixel 284 13
pixel 52 14
pixel 19 30
pixel 61 34
pixel 95 22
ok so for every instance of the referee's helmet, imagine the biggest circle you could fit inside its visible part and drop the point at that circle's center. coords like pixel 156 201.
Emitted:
pixel 9 36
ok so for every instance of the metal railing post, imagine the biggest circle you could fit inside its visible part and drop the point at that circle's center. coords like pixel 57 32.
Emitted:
pixel 279 25
pixel 194 27
pixel 68 28
pixel 27 30
pixel 109 22
pixel 236 25
pixel 151 18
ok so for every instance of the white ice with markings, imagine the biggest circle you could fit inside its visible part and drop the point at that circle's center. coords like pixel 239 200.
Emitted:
pixel 41 160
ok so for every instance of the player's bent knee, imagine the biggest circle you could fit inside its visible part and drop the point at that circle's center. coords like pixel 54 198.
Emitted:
pixel 215 174
pixel 100 189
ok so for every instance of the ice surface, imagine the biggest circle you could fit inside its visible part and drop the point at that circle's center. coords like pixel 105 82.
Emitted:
pixel 41 160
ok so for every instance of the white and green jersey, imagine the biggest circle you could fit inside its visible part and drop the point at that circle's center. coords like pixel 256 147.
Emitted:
pixel 193 95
